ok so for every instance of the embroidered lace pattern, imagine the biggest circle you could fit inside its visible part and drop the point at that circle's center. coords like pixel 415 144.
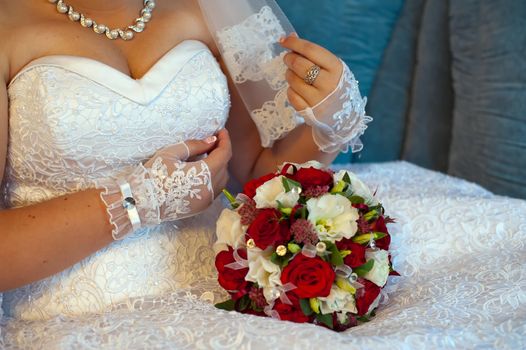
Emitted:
pixel 339 120
pixel 68 131
pixel 250 50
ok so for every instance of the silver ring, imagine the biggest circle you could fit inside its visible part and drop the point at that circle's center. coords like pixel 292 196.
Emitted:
pixel 312 74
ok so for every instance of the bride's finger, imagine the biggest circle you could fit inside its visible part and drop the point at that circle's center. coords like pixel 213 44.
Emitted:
pixel 220 156
pixel 300 66
pixel 296 100
pixel 199 147
pixel 313 52
pixel 298 84
pixel 310 94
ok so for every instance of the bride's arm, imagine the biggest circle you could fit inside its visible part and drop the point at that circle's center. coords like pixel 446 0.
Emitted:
pixel 249 158
pixel 40 240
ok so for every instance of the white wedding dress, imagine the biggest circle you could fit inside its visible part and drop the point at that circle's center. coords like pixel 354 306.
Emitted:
pixel 460 249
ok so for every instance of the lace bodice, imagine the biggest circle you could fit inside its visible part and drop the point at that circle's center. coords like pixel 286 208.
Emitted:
pixel 73 121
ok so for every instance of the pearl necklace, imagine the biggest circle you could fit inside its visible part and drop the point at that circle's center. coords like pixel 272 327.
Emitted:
pixel 127 33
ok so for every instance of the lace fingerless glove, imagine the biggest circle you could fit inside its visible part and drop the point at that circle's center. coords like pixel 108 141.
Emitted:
pixel 339 120
pixel 166 188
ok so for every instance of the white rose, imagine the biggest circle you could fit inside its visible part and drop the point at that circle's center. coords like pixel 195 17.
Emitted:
pixel 358 187
pixel 380 271
pixel 333 216
pixel 374 304
pixel 229 231
pixel 272 191
pixel 263 272
pixel 337 300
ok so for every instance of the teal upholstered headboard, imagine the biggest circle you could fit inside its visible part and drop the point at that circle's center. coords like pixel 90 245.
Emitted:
pixel 446 81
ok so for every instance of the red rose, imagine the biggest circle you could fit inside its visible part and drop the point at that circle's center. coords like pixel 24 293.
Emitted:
pixel 231 280
pixel 379 226
pixel 313 277
pixel 357 256
pixel 368 295
pixel 312 177
pixel 250 187
pixel 292 312
pixel 267 229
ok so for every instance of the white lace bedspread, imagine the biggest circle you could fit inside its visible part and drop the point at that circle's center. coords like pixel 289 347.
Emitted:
pixel 460 250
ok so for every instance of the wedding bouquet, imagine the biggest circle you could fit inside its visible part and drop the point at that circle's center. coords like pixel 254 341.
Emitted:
pixel 304 244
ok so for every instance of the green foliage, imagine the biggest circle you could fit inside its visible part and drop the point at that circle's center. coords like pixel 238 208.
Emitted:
pixel 363 269
pixel 336 256
pixel 293 248
pixel 228 305
pixel 347 178
pixel 231 199
pixel 243 303
pixel 289 184
pixel 305 307
pixel 325 319
pixel 371 215
pixel 366 237
pixel 281 261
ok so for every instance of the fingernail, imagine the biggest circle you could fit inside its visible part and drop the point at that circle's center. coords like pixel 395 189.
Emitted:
pixel 282 39
pixel 294 34
pixel 211 139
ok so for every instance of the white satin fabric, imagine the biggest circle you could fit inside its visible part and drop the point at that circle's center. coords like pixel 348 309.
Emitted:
pixel 460 249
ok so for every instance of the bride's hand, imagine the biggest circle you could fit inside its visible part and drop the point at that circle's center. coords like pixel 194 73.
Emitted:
pixel 303 57
pixel 174 184
pixel 217 149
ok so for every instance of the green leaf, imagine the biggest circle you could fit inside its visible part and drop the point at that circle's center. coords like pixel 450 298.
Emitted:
pixel 363 319
pixel 356 200
pixel 284 210
pixel 379 235
pixel 281 261
pixel 336 256
pixel 289 184
pixel 345 253
pixel 305 307
pixel 228 305
pixel 326 319
pixel 231 199
pixel 303 212
pixel 347 178
pixel 314 305
pixel 275 259
pixel 363 269
pixel 293 248
pixel 243 303
pixel 339 187
pixel 366 237
pixel 373 214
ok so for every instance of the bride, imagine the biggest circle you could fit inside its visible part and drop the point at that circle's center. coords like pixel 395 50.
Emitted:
pixel 110 140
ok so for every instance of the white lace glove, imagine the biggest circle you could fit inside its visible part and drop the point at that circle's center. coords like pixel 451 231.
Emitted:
pixel 339 120
pixel 166 188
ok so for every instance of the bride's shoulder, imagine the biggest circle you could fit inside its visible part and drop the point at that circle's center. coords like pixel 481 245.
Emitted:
pixel 189 16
